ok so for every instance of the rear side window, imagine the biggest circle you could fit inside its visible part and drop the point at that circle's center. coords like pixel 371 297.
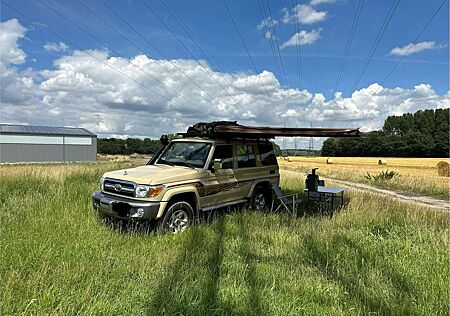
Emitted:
pixel 245 156
pixel 225 154
pixel 266 154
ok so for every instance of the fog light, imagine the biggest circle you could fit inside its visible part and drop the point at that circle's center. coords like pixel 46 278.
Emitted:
pixel 139 212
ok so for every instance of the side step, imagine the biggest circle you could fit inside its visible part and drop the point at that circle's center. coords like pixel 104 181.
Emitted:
pixel 225 204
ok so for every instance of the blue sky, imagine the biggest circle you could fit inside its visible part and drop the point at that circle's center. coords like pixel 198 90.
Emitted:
pixel 328 23
pixel 213 29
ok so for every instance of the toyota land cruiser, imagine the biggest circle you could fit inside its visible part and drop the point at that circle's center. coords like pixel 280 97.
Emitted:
pixel 191 175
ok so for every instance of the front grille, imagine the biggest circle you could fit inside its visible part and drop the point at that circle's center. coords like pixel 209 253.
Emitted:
pixel 119 187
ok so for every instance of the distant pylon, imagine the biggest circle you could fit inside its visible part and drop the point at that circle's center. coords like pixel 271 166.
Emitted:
pixel 311 144
pixel 295 146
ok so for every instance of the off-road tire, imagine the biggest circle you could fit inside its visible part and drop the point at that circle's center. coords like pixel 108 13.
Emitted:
pixel 261 199
pixel 178 217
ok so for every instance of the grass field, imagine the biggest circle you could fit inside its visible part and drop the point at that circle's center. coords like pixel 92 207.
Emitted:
pixel 375 256
pixel 416 175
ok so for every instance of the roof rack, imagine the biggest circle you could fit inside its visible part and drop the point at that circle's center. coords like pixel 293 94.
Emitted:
pixel 231 129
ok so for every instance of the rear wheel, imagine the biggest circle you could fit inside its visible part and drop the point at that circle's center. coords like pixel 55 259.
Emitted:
pixel 178 217
pixel 260 199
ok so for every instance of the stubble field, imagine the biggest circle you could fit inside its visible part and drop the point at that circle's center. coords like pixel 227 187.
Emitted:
pixel 415 175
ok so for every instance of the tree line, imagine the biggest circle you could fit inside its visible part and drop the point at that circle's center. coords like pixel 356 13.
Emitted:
pixel 422 134
pixel 117 146
pixel 146 146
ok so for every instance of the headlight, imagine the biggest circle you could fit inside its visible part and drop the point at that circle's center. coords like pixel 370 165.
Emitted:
pixel 102 181
pixel 143 191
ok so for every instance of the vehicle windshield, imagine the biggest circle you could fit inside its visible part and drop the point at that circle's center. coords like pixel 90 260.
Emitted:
pixel 189 154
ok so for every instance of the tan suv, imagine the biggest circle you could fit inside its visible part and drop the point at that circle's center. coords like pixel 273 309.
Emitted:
pixel 188 176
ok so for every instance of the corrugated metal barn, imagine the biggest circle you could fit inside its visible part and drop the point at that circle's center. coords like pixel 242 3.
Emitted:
pixel 24 143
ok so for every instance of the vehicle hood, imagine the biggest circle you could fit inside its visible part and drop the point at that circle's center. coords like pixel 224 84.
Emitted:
pixel 154 174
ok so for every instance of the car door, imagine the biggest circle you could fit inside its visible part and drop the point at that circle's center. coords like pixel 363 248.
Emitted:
pixel 245 168
pixel 267 163
pixel 219 185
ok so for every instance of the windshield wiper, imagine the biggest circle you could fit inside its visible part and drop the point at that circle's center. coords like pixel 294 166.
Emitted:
pixel 165 162
pixel 187 164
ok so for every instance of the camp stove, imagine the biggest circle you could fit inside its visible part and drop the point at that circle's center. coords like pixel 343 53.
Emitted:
pixel 312 180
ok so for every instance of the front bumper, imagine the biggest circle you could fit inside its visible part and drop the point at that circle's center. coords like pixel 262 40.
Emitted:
pixel 122 207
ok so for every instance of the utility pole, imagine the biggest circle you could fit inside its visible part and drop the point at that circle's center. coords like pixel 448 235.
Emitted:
pixel 311 144
pixel 295 146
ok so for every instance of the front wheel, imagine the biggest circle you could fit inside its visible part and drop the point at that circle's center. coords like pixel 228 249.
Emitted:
pixel 178 217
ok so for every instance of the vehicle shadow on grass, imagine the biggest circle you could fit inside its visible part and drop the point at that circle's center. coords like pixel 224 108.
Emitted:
pixel 251 276
pixel 310 209
pixel 178 292
pixel 333 270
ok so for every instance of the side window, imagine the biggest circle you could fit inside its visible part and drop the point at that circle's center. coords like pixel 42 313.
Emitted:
pixel 225 154
pixel 266 154
pixel 245 156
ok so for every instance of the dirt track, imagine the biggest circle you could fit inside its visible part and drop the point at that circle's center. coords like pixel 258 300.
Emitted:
pixel 415 198
pixel 405 196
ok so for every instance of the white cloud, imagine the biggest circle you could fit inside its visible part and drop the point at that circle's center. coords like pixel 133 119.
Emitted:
pixel 56 47
pixel 302 38
pixel 414 48
pixel 265 26
pixel 269 35
pixel 317 2
pixel 81 91
pixel 304 14
pixel 266 23
pixel 10 32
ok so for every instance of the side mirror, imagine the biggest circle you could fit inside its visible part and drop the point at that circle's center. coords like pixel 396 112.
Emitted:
pixel 164 140
pixel 217 164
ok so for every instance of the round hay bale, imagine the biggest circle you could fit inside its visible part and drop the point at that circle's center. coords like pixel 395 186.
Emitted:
pixel 382 162
pixel 289 159
pixel 443 168
pixel 329 161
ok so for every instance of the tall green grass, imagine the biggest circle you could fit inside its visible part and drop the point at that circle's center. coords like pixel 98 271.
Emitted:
pixel 375 256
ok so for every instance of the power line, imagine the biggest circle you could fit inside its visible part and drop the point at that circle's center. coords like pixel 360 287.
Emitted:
pixel 268 32
pixel 376 42
pixel 299 52
pixel 114 51
pixel 197 44
pixel 156 49
pixel 185 47
pixel 187 31
pixel 84 51
pixel 373 48
pixel 245 46
pixel 349 43
pixel 278 51
pixel 168 71
pixel 399 60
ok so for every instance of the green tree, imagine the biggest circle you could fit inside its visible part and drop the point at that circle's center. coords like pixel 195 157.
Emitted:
pixel 276 149
pixel 329 147
pixel 422 134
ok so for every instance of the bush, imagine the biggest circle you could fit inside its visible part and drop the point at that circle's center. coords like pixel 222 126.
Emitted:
pixel 382 176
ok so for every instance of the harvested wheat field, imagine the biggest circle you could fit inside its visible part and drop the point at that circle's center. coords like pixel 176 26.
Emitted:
pixel 416 175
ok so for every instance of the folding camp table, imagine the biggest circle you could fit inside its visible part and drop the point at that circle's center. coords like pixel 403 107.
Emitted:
pixel 325 197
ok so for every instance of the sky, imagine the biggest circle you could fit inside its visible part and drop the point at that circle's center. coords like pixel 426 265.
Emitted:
pixel 147 67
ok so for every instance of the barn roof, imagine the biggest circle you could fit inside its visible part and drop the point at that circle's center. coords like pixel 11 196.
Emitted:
pixel 44 130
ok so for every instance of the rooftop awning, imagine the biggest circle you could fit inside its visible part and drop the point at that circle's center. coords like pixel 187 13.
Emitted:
pixel 225 129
